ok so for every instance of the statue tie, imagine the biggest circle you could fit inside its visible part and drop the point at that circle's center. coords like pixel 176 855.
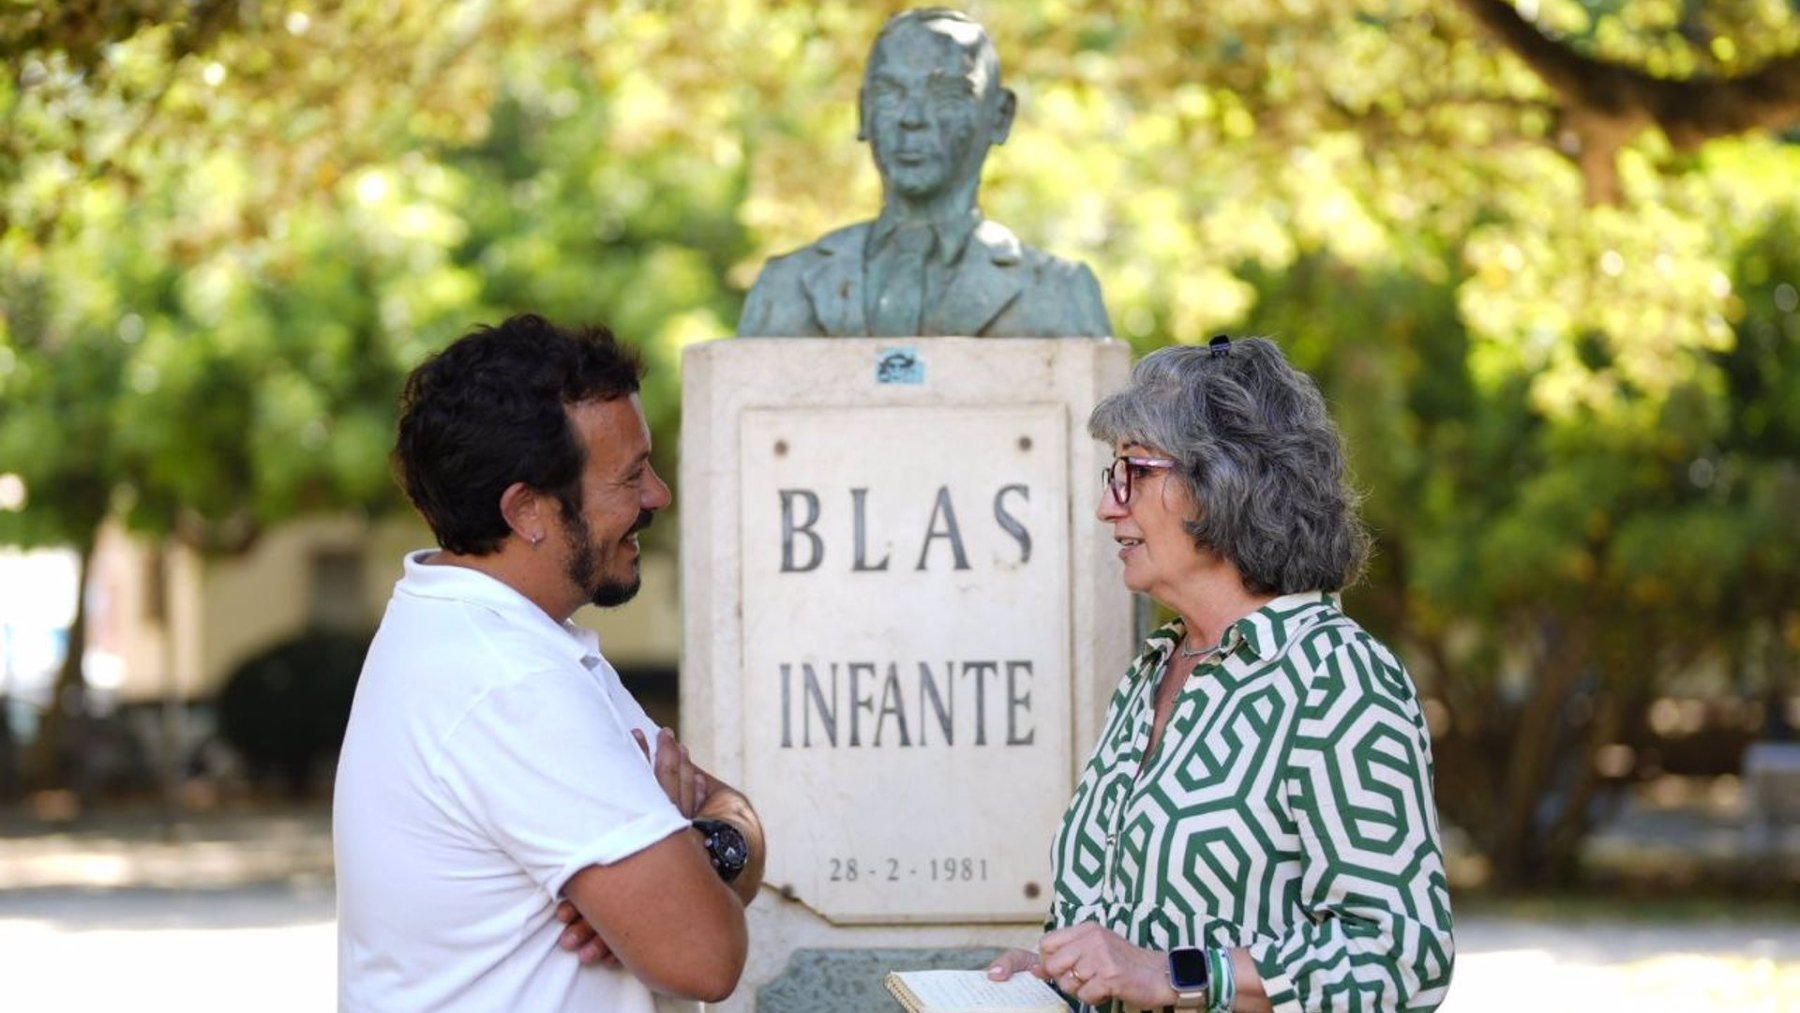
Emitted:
pixel 900 301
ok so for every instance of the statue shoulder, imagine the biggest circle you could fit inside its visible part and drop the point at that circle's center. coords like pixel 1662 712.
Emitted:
pixel 847 240
pixel 1050 267
pixel 1006 249
pixel 1072 289
pixel 1062 297
pixel 778 304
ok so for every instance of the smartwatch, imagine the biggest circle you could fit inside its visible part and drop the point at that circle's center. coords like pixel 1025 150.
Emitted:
pixel 725 846
pixel 1188 976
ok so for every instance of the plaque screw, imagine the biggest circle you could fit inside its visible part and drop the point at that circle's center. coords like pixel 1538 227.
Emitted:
pixel 1024 443
pixel 780 448
pixel 1031 891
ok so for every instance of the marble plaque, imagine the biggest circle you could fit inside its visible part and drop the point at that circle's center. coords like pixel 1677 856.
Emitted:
pixel 905 589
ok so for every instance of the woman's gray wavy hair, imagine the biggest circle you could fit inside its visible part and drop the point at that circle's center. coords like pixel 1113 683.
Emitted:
pixel 1256 447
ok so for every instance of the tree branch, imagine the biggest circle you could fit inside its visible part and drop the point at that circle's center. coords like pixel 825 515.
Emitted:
pixel 1608 102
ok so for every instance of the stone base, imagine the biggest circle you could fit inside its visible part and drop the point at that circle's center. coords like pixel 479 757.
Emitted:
pixel 850 981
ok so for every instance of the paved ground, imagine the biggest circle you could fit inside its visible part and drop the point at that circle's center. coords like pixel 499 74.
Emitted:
pixel 239 917
pixel 269 949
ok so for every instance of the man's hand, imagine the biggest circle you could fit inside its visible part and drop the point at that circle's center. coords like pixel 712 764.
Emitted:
pixel 700 795
pixel 581 939
pixel 661 913
pixel 686 785
pixel 690 789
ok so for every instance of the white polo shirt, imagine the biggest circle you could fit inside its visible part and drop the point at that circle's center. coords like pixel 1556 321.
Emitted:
pixel 488 759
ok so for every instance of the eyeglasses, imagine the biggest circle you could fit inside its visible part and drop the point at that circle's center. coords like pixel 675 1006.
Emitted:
pixel 1117 477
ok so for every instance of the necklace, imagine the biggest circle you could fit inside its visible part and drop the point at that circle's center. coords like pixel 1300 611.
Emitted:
pixel 1199 652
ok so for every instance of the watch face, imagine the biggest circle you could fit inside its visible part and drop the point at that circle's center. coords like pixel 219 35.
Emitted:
pixel 1187 969
pixel 732 848
pixel 726 846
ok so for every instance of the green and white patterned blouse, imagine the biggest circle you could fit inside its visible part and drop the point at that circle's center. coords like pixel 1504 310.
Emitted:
pixel 1288 810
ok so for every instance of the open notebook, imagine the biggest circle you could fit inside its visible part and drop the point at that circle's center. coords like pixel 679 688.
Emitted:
pixel 972 992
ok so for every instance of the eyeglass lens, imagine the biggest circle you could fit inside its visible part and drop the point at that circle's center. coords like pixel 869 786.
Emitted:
pixel 1117 477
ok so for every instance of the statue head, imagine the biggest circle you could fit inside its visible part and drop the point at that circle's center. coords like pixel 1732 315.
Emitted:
pixel 931 105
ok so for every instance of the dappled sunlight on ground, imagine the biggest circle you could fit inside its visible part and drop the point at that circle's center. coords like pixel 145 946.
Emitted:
pixel 237 914
pixel 273 950
pixel 1541 981
pixel 270 951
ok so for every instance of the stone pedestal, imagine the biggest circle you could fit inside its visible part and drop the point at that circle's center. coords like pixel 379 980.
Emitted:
pixel 902 624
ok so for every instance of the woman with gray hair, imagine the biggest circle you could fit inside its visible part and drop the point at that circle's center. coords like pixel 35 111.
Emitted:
pixel 1255 829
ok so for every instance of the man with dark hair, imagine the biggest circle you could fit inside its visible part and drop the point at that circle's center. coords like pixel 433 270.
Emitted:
pixel 497 781
pixel 929 265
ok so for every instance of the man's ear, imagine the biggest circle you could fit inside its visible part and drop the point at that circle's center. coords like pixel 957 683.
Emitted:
pixel 524 510
pixel 1004 109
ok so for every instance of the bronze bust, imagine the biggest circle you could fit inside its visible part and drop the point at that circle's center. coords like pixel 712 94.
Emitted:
pixel 929 265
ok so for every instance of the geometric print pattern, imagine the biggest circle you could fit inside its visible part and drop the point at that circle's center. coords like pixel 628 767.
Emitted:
pixel 1288 810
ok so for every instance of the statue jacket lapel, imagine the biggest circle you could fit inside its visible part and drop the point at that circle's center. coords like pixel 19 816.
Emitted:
pixel 989 279
pixel 834 282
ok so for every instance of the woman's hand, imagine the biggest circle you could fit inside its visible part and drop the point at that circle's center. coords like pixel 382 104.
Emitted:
pixel 1094 965
pixel 1012 962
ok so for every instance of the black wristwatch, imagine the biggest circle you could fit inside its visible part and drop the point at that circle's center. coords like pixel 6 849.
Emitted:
pixel 726 847
pixel 1188 976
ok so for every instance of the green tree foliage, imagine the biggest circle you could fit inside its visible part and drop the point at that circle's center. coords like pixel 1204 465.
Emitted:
pixel 1541 255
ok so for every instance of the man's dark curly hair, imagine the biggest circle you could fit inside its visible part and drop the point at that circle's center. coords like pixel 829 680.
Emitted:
pixel 491 410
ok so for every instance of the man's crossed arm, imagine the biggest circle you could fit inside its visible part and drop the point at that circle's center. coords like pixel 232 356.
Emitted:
pixel 663 913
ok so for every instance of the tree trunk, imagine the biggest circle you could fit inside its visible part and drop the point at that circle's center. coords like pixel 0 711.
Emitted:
pixel 9 756
pixel 1778 676
pixel 59 759
pixel 173 715
pixel 1517 775
pixel 1536 757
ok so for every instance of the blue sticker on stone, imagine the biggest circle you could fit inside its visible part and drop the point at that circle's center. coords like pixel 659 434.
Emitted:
pixel 899 365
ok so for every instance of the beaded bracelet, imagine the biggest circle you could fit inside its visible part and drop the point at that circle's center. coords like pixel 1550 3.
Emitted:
pixel 1223 979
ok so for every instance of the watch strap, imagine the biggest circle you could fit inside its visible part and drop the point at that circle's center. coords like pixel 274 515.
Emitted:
pixel 725 847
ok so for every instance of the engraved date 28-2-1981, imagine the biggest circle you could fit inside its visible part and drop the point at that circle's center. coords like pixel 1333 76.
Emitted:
pixel 942 869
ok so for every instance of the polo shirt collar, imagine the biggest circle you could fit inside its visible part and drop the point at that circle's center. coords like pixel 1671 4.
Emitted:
pixel 449 582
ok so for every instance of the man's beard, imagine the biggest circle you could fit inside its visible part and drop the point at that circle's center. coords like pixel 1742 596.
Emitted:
pixel 583 564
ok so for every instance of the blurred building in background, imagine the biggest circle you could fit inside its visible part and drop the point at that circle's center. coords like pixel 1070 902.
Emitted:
pixel 168 626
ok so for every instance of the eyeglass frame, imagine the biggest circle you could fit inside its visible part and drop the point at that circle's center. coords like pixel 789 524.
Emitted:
pixel 1121 490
